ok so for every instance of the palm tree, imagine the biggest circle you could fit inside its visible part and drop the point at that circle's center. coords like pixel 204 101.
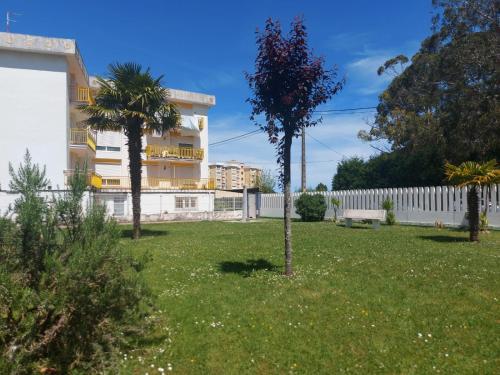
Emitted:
pixel 132 101
pixel 474 175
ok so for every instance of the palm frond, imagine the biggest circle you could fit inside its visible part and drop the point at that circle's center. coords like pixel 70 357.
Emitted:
pixel 130 95
pixel 473 173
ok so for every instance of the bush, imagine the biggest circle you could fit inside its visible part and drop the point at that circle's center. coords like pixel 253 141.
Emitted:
pixel 390 218
pixel 68 292
pixel 388 206
pixel 311 207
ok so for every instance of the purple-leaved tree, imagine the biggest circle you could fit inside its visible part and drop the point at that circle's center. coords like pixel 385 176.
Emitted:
pixel 288 84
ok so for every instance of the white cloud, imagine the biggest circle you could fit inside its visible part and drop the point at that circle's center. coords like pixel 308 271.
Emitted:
pixel 363 77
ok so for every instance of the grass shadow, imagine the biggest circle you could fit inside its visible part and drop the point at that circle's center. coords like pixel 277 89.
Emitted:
pixel 443 239
pixel 145 232
pixel 245 269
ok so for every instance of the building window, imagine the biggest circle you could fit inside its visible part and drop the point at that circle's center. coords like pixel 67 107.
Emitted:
pixel 108 148
pixel 186 203
pixel 185 145
pixel 119 206
pixel 111 182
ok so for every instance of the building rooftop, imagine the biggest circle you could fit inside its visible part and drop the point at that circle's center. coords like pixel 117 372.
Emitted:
pixel 69 48
pixel 45 45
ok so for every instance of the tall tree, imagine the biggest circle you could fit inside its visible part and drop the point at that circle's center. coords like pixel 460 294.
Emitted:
pixel 443 103
pixel 288 84
pixel 474 175
pixel 351 174
pixel 131 100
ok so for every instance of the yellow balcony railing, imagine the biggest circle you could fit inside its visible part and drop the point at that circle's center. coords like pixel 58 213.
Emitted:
pixel 152 183
pixel 82 137
pixel 83 95
pixel 166 152
pixel 93 179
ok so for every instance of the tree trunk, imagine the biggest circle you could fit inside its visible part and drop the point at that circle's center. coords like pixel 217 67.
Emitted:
pixel 303 162
pixel 135 167
pixel 287 206
pixel 473 205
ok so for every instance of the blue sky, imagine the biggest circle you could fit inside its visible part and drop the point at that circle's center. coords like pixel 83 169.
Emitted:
pixel 206 46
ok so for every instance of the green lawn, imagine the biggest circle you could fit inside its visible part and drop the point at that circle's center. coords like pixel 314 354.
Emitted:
pixel 401 300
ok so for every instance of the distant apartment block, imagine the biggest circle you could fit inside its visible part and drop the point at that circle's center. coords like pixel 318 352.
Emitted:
pixel 233 175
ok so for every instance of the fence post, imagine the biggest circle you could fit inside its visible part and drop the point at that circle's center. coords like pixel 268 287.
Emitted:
pixel 432 195
pixel 493 202
pixel 445 198
pixel 245 204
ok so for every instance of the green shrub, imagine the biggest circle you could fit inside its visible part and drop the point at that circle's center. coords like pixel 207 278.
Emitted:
pixel 311 207
pixel 336 204
pixel 68 291
pixel 390 218
pixel 388 206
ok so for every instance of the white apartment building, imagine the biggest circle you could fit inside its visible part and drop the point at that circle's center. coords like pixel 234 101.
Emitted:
pixel 234 175
pixel 42 82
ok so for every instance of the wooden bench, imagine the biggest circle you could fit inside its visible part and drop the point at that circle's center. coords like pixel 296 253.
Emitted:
pixel 376 216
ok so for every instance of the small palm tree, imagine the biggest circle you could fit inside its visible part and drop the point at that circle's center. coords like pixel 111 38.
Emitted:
pixel 132 101
pixel 474 175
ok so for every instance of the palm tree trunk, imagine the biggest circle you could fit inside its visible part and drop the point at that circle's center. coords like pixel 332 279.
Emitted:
pixel 287 206
pixel 473 204
pixel 135 167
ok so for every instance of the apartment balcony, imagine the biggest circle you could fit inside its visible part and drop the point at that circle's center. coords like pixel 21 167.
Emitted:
pixel 93 179
pixel 173 152
pixel 155 183
pixel 81 95
pixel 82 138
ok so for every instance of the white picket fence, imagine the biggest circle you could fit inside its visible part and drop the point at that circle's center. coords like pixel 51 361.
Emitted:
pixel 422 205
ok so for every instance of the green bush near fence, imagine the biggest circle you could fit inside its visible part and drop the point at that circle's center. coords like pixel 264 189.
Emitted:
pixel 388 206
pixel 311 207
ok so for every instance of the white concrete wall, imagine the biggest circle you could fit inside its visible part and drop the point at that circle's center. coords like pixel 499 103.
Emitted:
pixel 423 205
pixel 156 204
pixel 34 112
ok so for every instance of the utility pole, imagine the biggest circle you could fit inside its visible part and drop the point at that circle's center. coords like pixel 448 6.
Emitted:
pixel 303 164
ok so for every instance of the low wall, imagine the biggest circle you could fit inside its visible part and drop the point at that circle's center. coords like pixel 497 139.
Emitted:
pixel 155 206
pixel 186 216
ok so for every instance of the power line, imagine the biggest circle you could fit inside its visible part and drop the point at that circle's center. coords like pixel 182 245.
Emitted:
pixel 244 135
pixel 340 111
pixel 344 109
pixel 325 145
pixel 345 113
pixel 297 162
